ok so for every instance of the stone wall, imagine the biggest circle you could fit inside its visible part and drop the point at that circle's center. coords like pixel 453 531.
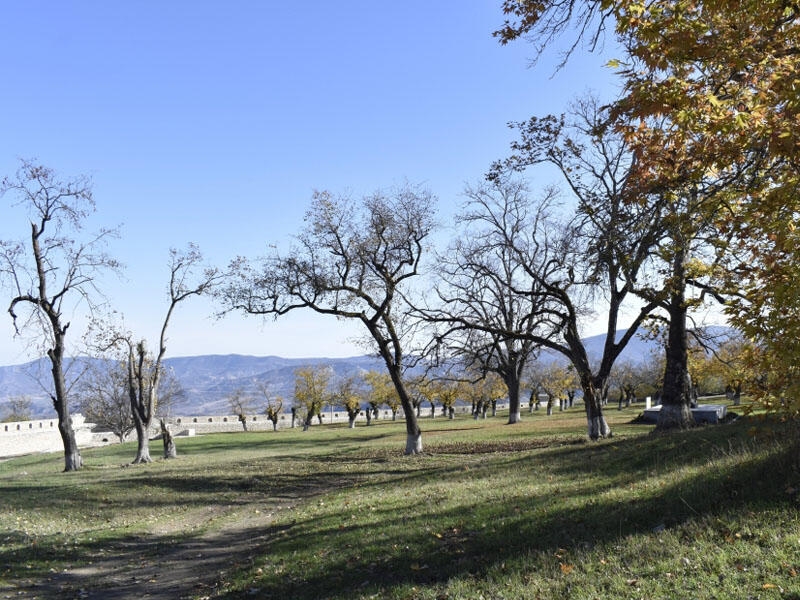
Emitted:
pixel 26 437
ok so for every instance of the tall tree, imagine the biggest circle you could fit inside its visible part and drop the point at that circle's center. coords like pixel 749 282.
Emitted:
pixel 710 88
pixel 103 395
pixel 353 261
pixel 488 306
pixel 601 253
pixel 53 272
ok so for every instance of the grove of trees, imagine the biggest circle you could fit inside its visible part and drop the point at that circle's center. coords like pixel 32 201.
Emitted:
pixel 679 192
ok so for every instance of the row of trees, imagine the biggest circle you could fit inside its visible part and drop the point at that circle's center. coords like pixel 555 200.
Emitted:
pixel 522 277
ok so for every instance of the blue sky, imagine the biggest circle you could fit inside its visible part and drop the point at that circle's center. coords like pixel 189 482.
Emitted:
pixel 213 122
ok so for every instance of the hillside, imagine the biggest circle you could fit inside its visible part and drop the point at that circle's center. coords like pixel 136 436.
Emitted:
pixel 207 380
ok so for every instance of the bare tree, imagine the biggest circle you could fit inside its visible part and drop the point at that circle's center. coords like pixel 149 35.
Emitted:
pixel 145 370
pixel 274 404
pixel 103 394
pixel 53 272
pixel 353 261
pixel 241 405
pixel 18 408
pixel 603 250
pixel 103 397
pixel 489 307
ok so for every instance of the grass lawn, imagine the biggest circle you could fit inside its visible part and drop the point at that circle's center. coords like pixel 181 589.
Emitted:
pixel 489 511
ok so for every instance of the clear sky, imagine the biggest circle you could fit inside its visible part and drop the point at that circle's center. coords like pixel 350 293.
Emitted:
pixel 213 122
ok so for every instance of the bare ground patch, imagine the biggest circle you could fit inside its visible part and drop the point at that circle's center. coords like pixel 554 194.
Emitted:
pixel 166 564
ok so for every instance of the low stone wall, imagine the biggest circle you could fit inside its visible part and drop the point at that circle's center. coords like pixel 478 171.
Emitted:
pixel 26 437
pixel 222 423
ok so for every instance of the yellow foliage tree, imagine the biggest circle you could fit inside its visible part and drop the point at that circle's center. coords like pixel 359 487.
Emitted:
pixel 311 392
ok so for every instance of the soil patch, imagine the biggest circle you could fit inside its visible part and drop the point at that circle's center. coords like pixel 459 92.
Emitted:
pixel 166 566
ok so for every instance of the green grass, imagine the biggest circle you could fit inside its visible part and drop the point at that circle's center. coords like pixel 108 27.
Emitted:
pixel 489 511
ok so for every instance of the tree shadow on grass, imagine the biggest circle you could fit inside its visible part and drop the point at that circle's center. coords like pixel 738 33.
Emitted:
pixel 424 546
pixel 377 548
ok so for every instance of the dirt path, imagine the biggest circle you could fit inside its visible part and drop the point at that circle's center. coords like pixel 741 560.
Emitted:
pixel 157 567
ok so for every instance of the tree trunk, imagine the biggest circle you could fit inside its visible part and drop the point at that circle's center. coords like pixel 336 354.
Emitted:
pixel 413 443
pixel 494 408
pixel 142 441
pixel 597 427
pixel 170 450
pixel 676 397
pixel 512 383
pixel 243 421
pixel 72 454
pixel 351 422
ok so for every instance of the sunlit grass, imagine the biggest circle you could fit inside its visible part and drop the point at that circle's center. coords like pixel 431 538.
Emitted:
pixel 489 510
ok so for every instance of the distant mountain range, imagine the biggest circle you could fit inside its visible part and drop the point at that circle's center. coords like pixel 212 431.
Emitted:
pixel 209 380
